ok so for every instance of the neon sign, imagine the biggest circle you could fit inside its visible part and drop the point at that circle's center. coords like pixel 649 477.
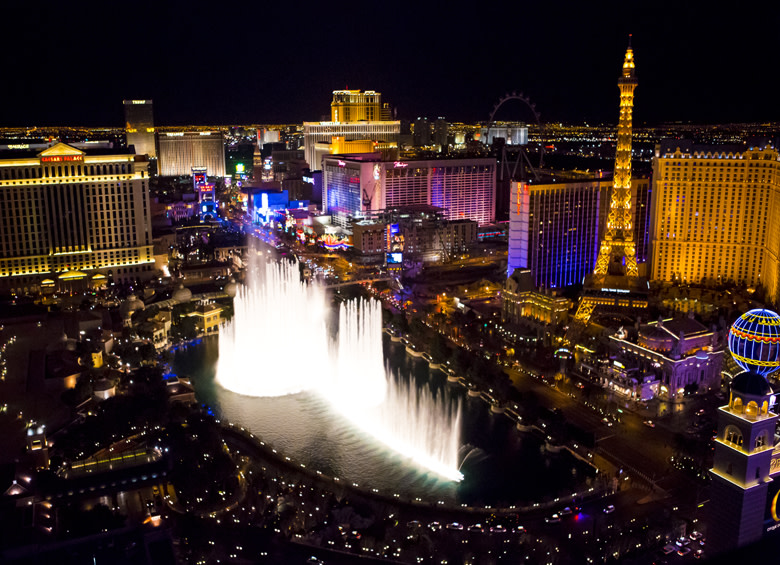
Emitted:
pixel 62 158
pixel 342 164
pixel 400 165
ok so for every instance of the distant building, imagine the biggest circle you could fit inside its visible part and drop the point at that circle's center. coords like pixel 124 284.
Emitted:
pixel 421 134
pixel 69 216
pixel 207 197
pixel 417 233
pixel 514 135
pixel 715 217
pixel 441 132
pixel 180 152
pixel 356 184
pixel 355 116
pixel 139 126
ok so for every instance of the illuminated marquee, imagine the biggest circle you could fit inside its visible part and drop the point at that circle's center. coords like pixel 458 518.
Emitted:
pixel 62 158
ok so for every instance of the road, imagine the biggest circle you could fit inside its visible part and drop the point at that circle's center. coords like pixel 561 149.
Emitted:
pixel 638 448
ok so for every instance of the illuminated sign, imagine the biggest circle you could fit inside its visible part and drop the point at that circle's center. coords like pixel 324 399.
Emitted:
pixel 239 167
pixel 395 258
pixel 139 101
pixel 377 171
pixel 62 158
pixel 342 164
pixel 19 146
pixel 400 165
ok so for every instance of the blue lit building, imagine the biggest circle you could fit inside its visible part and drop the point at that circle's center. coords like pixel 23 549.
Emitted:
pixel 263 204
pixel 555 225
pixel 207 201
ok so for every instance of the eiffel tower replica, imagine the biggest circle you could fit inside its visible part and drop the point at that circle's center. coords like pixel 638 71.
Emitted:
pixel 615 285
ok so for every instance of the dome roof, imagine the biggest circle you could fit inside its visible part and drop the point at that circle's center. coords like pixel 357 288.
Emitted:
pixel 751 383
pixel 754 341
pixel 231 288
pixel 182 294
pixel 130 305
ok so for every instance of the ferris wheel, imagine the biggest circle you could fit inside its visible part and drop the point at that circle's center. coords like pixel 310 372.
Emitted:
pixel 514 166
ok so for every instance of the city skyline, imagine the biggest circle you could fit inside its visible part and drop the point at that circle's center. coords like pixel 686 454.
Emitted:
pixel 200 66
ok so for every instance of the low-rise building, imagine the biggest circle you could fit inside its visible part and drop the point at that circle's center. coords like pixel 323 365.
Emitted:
pixel 522 302
pixel 682 351
pixel 207 317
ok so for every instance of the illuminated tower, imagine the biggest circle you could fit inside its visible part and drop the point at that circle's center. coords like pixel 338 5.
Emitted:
pixel 618 243
pixel 615 284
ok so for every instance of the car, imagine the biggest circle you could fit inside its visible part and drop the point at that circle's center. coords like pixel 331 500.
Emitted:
pixel 695 535
pixel 314 561
pixel 698 554
pixel 649 423
pixel 413 524
pixel 476 528
pixel 497 529
pixel 609 509
pixel 454 526
pixel 565 512
pixel 683 551
pixel 701 412
pixel 606 422
pixel 669 548
pixel 520 529
pixel 435 526
pixel 682 541
pixel 554 519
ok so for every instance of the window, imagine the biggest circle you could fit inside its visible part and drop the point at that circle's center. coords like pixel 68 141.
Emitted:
pixel 733 435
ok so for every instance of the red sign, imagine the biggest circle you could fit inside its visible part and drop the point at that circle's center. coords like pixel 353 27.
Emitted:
pixel 62 158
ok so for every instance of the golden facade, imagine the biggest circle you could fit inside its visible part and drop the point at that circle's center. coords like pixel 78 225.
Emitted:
pixel 66 212
pixel 618 240
pixel 716 215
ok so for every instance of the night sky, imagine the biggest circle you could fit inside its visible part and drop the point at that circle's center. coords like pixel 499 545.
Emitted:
pixel 72 63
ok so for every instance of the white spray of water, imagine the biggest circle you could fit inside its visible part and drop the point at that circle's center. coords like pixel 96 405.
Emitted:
pixel 277 343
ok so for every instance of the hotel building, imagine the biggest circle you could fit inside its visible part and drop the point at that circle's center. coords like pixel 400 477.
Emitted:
pixel 716 214
pixel 355 116
pixel 139 126
pixel 69 214
pixel 360 183
pixel 180 152
pixel 555 225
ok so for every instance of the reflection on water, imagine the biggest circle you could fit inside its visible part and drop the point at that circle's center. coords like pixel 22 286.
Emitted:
pixel 500 465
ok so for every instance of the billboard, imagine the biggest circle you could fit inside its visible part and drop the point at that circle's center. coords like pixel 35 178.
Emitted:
pixel 395 258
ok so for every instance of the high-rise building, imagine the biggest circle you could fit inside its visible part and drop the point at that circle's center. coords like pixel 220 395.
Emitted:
pixel 464 188
pixel 139 126
pixel 355 106
pixel 355 115
pixel 69 215
pixel 441 132
pixel 555 223
pixel 716 214
pixel 180 152
pixel 554 228
pixel 421 132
